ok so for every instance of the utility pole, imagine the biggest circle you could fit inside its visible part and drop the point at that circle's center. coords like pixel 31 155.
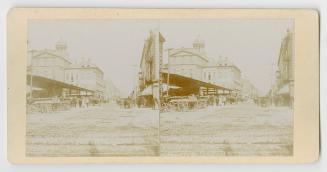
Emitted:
pixel 168 73
pixel 136 83
pixel 30 52
pixel 272 84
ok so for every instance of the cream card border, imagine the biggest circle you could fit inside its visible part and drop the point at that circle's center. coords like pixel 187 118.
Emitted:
pixel 306 103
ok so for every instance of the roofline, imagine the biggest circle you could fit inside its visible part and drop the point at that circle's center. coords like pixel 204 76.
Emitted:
pixel 46 52
pixel 215 66
pixel 183 50
pixel 90 67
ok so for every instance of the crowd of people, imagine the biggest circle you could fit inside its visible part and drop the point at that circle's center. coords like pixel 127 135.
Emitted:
pixel 139 102
pixel 82 102
pixel 58 103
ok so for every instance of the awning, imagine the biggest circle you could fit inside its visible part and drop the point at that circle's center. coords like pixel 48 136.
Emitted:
pixel 147 91
pixel 165 87
pixel 29 89
pixel 284 90
pixel 188 86
pixel 46 83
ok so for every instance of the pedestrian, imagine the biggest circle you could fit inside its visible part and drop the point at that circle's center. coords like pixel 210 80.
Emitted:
pixel 87 101
pixel 79 102
pixel 74 102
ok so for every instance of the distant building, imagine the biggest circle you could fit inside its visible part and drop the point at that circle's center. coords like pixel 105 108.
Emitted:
pixel 284 91
pixel 248 90
pixel 224 73
pixel 111 91
pixel 50 63
pixel 188 61
pixel 86 75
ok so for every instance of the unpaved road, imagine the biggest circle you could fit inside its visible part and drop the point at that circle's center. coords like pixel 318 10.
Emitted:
pixel 239 130
pixel 96 131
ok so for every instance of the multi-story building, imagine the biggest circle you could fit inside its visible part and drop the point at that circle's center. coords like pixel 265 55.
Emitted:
pixel 188 61
pixel 86 75
pixel 224 73
pixel 285 74
pixel 151 59
pixel 50 63
pixel 149 86
pixel 55 64
pixel 248 90
pixel 194 63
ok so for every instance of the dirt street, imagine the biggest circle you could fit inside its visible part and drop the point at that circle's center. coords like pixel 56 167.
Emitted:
pixel 106 130
pixel 237 130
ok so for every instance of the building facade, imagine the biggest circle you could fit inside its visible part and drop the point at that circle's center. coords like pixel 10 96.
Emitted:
pixel 50 63
pixel 194 63
pixel 188 61
pixel 224 73
pixel 149 83
pixel 55 64
pixel 248 91
pixel 284 92
pixel 151 59
pixel 86 75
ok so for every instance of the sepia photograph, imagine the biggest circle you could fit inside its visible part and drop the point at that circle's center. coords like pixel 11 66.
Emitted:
pixel 92 88
pixel 160 87
pixel 227 88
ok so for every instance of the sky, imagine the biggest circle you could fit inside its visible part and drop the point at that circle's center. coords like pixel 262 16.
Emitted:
pixel 116 45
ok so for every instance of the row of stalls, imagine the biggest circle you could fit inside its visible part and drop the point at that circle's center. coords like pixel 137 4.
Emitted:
pixel 46 95
pixel 180 93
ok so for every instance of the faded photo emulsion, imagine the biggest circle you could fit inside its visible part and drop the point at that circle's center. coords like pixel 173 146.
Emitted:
pixel 160 88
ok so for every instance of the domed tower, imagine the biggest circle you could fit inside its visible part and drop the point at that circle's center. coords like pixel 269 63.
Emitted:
pixel 198 44
pixel 61 46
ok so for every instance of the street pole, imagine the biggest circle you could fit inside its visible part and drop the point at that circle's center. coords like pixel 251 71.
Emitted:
pixel 272 84
pixel 168 72
pixel 136 83
pixel 31 69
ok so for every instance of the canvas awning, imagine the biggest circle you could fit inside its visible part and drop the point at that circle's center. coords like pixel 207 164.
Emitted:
pixel 147 91
pixel 165 87
pixel 284 90
pixel 187 85
pixel 45 83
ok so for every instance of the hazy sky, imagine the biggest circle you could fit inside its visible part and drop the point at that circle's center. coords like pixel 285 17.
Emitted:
pixel 116 46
